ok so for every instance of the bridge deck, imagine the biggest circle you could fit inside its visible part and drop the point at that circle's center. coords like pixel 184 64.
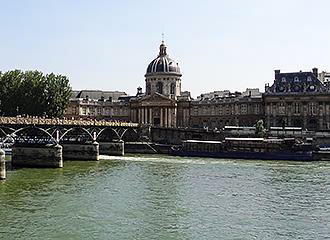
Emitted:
pixel 63 122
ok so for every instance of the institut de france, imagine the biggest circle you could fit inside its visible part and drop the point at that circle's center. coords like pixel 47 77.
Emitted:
pixel 297 99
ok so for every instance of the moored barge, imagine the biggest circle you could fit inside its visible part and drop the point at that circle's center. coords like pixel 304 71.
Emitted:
pixel 247 148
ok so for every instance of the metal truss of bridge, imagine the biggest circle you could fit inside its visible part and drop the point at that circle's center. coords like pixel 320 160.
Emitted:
pixel 40 131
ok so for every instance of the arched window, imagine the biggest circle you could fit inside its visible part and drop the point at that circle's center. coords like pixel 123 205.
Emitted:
pixel 296 79
pixel 159 87
pixel 172 88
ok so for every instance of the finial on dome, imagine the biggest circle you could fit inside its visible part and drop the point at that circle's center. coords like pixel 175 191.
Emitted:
pixel 162 47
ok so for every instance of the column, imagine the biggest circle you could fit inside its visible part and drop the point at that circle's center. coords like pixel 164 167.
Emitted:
pixel 150 116
pixel 169 115
pixel 146 115
pixel 161 117
pixel 139 115
pixel 175 117
pixel 166 118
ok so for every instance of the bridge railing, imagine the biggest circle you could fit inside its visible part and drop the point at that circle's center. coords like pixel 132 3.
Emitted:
pixel 60 121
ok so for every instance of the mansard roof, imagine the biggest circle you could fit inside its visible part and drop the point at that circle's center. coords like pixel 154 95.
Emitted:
pixel 296 83
pixel 97 94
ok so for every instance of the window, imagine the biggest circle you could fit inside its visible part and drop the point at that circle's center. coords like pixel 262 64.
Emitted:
pixel 296 79
pixel 99 110
pixel 312 107
pixel 296 108
pixel 309 79
pixel 283 79
pixel 257 109
pixel 281 108
pixel 243 109
pixel 159 87
pixel 172 88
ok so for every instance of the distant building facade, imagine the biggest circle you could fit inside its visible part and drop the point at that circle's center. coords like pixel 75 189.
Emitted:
pixel 89 104
pixel 300 99
pixel 236 109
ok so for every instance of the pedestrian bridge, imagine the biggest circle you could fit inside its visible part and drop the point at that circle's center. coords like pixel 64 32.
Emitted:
pixel 43 142
pixel 42 130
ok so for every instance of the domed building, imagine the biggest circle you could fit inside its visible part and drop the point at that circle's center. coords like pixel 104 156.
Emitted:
pixel 163 75
pixel 158 106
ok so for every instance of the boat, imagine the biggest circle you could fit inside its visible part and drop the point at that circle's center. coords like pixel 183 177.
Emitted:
pixel 247 148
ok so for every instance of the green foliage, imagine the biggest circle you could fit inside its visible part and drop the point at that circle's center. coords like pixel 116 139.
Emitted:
pixel 260 130
pixel 33 93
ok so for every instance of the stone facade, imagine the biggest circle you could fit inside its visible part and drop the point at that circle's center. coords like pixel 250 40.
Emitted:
pixel 236 109
pixel 299 99
pixel 103 105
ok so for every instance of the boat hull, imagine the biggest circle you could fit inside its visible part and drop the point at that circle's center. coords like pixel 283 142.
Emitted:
pixel 293 156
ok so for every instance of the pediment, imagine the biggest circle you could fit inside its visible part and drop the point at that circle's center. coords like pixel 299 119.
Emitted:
pixel 156 97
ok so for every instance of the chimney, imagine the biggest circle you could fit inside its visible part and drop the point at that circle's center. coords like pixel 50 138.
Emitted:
pixel 277 72
pixel 315 72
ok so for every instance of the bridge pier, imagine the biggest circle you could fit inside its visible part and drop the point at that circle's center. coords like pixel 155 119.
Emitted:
pixel 112 148
pixel 2 165
pixel 48 156
pixel 82 151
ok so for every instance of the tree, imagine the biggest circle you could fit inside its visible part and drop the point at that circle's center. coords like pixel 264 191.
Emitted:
pixel 58 92
pixel 33 93
pixel 260 130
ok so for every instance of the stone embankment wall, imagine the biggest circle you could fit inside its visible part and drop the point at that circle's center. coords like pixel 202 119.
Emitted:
pixel 49 156
pixel 112 148
pixel 86 151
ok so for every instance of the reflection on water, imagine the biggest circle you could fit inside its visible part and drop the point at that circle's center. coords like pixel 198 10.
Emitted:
pixel 164 197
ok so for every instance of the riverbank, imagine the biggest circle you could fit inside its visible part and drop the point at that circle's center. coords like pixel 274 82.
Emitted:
pixel 164 197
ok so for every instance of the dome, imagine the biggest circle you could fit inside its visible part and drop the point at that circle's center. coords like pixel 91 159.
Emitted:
pixel 163 64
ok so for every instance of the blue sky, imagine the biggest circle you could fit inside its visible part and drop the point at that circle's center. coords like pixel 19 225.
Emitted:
pixel 219 44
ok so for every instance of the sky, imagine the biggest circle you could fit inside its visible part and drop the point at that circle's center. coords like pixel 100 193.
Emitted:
pixel 219 45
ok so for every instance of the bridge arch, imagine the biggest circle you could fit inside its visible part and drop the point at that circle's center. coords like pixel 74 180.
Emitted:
pixel 31 134
pixel 108 134
pixel 6 130
pixel 76 135
pixel 130 135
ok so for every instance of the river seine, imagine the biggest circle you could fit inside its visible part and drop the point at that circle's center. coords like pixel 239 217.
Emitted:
pixel 163 197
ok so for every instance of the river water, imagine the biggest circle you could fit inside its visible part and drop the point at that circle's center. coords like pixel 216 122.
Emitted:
pixel 163 197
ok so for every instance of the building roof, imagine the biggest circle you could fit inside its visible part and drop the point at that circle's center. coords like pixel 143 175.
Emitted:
pixel 97 94
pixel 296 83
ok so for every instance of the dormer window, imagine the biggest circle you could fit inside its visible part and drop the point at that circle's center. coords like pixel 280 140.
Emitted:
pixel 309 79
pixel 283 79
pixel 296 79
